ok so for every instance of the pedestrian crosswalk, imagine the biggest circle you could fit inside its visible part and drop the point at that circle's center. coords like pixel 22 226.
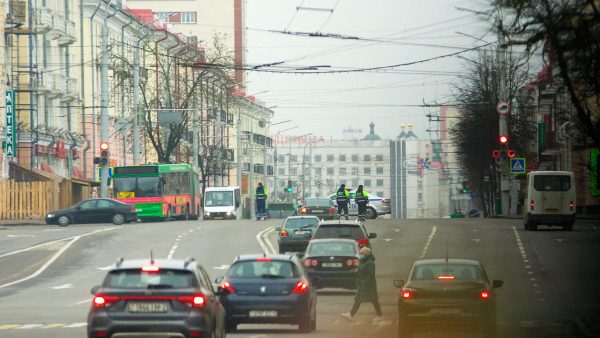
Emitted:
pixel 39 326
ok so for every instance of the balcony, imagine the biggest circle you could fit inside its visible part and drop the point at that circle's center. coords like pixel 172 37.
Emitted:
pixel 57 29
pixel 43 20
pixel 72 92
pixel 59 86
pixel 70 35
pixel 47 82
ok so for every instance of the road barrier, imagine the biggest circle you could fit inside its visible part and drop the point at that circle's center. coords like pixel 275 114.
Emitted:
pixel 24 200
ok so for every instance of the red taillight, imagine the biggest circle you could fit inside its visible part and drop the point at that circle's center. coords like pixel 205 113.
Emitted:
pixel 331 210
pixel 408 294
pixel 362 242
pixel 571 205
pixel 132 209
pixel 301 287
pixel 484 295
pixel 385 200
pixel 150 268
pixel 263 259
pixel 197 333
pixel 101 300
pixel 303 210
pixel 446 277
pixel 532 204
pixel 310 262
pixel 196 301
pixel 284 233
pixel 100 333
pixel 225 285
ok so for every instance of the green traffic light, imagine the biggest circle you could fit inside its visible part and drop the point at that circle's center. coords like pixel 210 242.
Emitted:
pixel 289 189
pixel 465 191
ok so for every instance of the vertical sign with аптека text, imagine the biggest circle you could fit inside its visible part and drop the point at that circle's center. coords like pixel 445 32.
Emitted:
pixel 11 130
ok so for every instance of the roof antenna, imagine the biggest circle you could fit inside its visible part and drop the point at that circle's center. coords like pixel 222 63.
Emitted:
pixel 151 257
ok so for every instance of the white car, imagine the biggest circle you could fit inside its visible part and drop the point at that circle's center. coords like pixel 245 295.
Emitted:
pixel 377 205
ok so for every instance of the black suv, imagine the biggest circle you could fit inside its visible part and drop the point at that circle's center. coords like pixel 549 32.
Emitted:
pixel 348 230
pixel 170 298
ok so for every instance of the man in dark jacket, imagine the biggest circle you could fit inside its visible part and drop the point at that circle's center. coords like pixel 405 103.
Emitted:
pixel 367 285
pixel 342 198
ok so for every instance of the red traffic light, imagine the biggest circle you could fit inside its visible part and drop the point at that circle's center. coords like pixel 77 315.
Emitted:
pixel 103 146
pixel 503 139
pixel 510 153
pixel 496 153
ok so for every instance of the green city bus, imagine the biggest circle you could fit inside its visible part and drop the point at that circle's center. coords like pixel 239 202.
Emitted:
pixel 159 191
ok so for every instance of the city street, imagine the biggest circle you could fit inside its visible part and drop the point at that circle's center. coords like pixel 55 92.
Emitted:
pixel 550 288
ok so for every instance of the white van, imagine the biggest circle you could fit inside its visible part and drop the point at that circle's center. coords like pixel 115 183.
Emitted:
pixel 222 202
pixel 550 199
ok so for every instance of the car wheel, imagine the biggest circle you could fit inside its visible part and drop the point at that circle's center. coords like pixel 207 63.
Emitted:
pixel 370 213
pixel 305 324
pixel 118 219
pixel 63 221
pixel 230 326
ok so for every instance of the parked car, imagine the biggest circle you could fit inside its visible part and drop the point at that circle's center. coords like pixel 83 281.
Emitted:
pixel 268 289
pixel 322 207
pixel 95 210
pixel 162 298
pixel 377 206
pixel 332 263
pixel 447 291
pixel 347 230
pixel 295 233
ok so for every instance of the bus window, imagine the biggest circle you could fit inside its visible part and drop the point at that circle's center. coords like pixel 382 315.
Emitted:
pixel 552 182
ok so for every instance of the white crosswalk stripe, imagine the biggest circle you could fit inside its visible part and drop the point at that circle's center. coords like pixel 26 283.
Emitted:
pixel 41 326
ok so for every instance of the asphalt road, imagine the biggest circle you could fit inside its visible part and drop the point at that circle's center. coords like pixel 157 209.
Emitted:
pixel 551 277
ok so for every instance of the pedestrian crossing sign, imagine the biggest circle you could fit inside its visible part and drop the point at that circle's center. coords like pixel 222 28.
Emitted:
pixel 517 165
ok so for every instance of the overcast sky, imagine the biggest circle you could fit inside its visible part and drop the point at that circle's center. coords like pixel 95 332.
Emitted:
pixel 405 31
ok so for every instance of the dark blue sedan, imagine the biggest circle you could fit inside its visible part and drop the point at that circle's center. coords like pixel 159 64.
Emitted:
pixel 268 289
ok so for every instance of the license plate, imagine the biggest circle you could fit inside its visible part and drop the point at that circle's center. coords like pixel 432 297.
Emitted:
pixel 255 314
pixel 332 265
pixel 316 211
pixel 302 232
pixel 445 312
pixel 138 210
pixel 218 217
pixel 147 307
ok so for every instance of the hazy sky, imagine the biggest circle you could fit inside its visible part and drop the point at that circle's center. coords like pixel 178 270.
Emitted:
pixel 405 31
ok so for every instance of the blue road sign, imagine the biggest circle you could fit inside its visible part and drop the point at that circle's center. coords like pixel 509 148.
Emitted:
pixel 517 165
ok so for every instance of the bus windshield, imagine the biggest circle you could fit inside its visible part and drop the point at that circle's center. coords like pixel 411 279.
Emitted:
pixel 139 186
pixel 218 198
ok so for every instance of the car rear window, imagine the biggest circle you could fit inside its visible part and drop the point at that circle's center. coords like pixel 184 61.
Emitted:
pixel 552 182
pixel 318 202
pixel 295 223
pixel 331 249
pixel 457 271
pixel 263 268
pixel 339 231
pixel 138 279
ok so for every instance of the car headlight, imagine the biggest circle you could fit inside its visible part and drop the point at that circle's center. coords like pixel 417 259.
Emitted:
pixel 207 213
pixel 50 215
pixel 229 213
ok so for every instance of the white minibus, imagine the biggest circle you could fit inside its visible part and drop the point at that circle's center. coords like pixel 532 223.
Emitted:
pixel 550 199
pixel 222 202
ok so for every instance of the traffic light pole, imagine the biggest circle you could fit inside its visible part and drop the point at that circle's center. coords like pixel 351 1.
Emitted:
pixel 104 104
pixel 503 129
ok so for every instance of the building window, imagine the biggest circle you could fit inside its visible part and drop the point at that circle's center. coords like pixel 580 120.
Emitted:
pixel 281 171
pixel 379 194
pixel 367 158
pixel 354 158
pixel 163 16
pixel 379 170
pixel 367 171
pixel 330 158
pixel 294 158
pixel 188 17
pixel 306 158
pixel 355 171
pixel 420 197
pixel 282 184
pixel 342 158
pixel 380 183
pixel 355 183
pixel 342 171
pixel 317 158
pixel 379 158
pixel 294 171
pixel 367 183
pixel 330 182
pixel 318 171
pixel 329 171
pixel 280 158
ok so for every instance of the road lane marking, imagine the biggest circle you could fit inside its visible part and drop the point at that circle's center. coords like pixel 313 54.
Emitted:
pixel 14 236
pixel 82 302
pixel 45 266
pixel 221 267
pixel 56 241
pixel 476 240
pixel 269 244
pixel 433 230
pixel 8 326
pixel 388 239
pixel 52 326
pixel 29 326
pixel 106 267
pixel 75 325
pixel 264 243
pixel 65 286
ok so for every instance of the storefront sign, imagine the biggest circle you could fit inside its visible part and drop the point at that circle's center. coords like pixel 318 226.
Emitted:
pixel 11 131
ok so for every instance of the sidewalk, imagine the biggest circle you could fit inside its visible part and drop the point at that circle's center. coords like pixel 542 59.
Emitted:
pixel 578 216
pixel 4 223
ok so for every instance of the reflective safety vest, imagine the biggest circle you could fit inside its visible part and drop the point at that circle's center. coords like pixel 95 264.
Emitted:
pixel 342 195
pixel 261 193
pixel 361 196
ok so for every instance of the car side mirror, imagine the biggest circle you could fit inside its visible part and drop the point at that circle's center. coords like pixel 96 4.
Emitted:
pixel 497 283
pixel 277 229
pixel 372 235
pixel 219 279
pixel 95 289
pixel 78 207
pixel 398 283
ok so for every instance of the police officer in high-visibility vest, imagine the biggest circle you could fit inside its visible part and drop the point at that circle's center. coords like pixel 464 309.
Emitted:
pixel 361 197
pixel 342 198
pixel 261 194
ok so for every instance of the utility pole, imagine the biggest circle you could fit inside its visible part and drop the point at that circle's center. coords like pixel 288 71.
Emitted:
pixel 195 130
pixel 503 129
pixel 251 174
pixel 137 105
pixel 240 164
pixel 104 137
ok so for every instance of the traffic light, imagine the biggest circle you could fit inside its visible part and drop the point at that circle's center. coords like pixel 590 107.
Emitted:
pixel 503 140
pixel 496 153
pixel 289 186
pixel 510 153
pixel 465 188
pixel 104 154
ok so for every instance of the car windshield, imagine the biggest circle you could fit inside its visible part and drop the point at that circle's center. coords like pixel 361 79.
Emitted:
pixel 263 269
pixel 331 249
pixel 317 202
pixel 138 279
pixel 295 223
pixel 218 198
pixel 339 231
pixel 137 186
pixel 452 270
